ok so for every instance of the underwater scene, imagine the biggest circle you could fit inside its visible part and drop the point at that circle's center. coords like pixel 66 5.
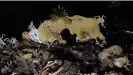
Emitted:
pixel 66 38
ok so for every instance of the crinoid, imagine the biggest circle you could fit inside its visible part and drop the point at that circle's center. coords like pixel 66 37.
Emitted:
pixel 60 13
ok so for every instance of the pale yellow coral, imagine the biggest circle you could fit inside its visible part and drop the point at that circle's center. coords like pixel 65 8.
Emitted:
pixel 49 30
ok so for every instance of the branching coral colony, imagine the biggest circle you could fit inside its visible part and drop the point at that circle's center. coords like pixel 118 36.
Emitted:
pixel 41 51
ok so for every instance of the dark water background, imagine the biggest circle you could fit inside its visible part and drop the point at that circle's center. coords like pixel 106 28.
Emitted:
pixel 16 16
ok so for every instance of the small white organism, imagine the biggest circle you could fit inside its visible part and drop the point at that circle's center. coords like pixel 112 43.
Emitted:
pixel 101 20
pixel 33 33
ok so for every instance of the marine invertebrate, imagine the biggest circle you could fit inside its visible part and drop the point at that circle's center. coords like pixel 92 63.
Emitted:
pixel 101 20
pixel 84 28
pixel 32 34
pixel 60 13
pixel 25 35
